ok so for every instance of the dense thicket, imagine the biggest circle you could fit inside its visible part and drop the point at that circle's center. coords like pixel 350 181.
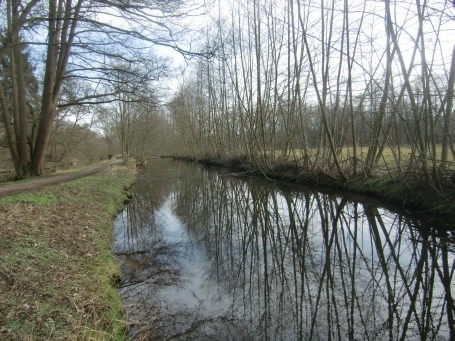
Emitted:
pixel 343 89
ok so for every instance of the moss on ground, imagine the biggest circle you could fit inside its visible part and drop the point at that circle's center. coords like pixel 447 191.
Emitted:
pixel 56 264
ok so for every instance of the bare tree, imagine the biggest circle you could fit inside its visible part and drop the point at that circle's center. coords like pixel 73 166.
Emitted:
pixel 340 89
pixel 84 40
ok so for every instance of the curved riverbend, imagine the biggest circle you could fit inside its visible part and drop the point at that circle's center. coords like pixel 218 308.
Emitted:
pixel 209 255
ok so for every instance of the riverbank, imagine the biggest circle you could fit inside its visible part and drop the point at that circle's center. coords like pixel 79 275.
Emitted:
pixel 57 269
pixel 407 191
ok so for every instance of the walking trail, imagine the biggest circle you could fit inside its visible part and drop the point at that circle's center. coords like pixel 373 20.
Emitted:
pixel 36 183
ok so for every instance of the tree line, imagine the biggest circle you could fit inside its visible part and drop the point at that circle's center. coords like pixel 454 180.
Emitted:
pixel 63 57
pixel 344 89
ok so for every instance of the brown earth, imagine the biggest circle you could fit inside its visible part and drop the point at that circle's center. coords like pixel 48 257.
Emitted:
pixel 36 183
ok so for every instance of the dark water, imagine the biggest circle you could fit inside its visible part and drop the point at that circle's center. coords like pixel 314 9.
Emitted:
pixel 211 256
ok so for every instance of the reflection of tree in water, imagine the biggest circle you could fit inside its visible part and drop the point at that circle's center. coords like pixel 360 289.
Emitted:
pixel 141 223
pixel 311 266
pixel 293 265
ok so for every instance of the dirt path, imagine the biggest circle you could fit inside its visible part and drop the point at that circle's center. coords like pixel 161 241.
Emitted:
pixel 14 188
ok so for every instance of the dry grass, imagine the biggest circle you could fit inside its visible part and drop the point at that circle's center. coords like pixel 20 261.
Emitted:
pixel 56 264
pixel 391 159
pixel 389 155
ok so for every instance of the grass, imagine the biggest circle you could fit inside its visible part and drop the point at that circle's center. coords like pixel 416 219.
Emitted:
pixel 56 264
pixel 388 155
pixel 30 198
pixel 76 169
pixel 81 168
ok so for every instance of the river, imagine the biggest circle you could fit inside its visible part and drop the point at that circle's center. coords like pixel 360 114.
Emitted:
pixel 211 255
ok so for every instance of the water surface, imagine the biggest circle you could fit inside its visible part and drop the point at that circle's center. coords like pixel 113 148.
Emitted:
pixel 208 255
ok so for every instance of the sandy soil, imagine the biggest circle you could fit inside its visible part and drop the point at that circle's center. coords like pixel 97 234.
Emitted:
pixel 14 188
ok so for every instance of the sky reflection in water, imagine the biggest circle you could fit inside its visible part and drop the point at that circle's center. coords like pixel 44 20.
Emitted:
pixel 211 256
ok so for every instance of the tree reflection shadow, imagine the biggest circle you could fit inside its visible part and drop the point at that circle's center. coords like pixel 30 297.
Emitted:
pixel 266 262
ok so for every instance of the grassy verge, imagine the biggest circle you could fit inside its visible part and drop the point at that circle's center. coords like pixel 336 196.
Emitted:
pixel 56 264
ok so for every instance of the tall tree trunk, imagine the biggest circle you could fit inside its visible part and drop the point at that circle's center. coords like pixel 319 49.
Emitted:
pixel 22 112
pixel 60 38
pixel 15 113
pixel 47 113
pixel 17 137
pixel 10 136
